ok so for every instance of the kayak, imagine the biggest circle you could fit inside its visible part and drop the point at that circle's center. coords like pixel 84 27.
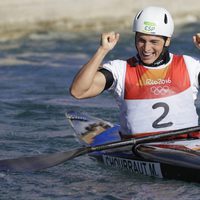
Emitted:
pixel 173 159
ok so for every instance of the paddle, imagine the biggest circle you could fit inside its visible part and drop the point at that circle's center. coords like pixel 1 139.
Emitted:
pixel 39 162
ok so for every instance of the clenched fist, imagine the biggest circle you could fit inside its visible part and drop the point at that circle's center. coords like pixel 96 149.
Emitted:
pixel 196 40
pixel 109 40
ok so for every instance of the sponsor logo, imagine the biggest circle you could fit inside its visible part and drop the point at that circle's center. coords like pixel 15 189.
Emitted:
pixel 134 166
pixel 149 27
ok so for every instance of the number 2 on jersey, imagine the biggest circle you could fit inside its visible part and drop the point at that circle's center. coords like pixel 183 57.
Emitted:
pixel 158 122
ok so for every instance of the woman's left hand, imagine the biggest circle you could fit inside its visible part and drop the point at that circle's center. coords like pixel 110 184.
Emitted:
pixel 196 40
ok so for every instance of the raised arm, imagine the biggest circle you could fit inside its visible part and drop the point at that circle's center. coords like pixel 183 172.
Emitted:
pixel 89 82
pixel 196 40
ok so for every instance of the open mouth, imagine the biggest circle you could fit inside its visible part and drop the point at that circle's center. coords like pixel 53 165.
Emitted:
pixel 147 56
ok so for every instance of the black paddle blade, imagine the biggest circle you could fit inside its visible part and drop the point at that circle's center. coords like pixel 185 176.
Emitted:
pixel 39 162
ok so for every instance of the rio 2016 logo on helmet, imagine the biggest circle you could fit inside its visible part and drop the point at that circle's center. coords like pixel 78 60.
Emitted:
pixel 149 27
pixel 154 21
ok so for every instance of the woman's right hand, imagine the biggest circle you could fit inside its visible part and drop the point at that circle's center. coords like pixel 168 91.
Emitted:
pixel 109 40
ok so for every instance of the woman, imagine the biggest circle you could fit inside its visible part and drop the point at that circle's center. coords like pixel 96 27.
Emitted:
pixel 155 89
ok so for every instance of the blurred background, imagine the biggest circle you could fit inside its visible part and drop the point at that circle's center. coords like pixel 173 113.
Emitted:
pixel 19 18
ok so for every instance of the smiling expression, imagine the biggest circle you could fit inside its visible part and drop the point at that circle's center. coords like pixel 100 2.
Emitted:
pixel 149 47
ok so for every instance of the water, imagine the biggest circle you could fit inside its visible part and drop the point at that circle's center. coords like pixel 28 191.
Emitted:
pixel 35 75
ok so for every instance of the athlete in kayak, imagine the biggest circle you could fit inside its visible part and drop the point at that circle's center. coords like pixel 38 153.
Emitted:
pixel 155 90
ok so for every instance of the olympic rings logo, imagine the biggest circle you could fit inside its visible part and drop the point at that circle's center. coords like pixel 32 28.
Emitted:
pixel 160 90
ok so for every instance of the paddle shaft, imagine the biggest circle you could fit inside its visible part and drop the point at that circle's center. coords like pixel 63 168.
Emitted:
pixel 150 138
pixel 39 162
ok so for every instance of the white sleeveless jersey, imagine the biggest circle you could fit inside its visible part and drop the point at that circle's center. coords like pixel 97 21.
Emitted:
pixel 155 99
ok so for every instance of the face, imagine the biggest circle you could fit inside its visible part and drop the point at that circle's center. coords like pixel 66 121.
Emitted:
pixel 149 47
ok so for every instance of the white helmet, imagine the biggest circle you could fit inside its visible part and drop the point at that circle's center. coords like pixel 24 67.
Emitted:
pixel 154 21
